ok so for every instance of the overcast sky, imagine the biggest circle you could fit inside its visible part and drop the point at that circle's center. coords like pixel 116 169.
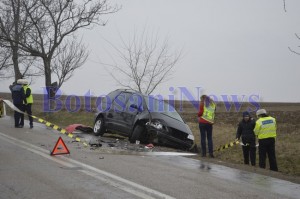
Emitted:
pixel 231 47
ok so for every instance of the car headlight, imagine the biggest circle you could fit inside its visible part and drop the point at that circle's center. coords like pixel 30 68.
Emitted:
pixel 191 137
pixel 155 124
pixel 158 126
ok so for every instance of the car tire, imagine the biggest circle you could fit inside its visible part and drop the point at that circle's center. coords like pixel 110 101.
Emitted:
pixel 99 127
pixel 137 133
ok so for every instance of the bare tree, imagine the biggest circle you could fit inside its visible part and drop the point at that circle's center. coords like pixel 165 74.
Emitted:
pixel 13 24
pixel 144 62
pixel 284 5
pixel 70 56
pixel 297 36
pixel 5 61
pixel 293 51
pixel 50 22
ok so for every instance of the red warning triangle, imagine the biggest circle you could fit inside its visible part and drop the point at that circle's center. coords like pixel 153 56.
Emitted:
pixel 60 148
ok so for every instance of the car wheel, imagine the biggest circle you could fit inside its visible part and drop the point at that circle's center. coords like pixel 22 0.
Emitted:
pixel 99 127
pixel 137 133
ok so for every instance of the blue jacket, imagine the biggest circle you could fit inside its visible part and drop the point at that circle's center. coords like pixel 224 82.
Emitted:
pixel 18 94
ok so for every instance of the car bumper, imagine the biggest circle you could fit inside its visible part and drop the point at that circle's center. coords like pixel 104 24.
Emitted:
pixel 164 137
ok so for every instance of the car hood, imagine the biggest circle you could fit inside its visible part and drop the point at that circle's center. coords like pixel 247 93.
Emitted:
pixel 171 122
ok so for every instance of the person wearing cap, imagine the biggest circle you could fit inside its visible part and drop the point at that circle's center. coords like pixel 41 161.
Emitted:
pixel 265 130
pixel 245 130
pixel 28 102
pixel 18 98
pixel 206 116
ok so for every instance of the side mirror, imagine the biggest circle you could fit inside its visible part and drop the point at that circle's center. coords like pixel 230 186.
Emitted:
pixel 134 106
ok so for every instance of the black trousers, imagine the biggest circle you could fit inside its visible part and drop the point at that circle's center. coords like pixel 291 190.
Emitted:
pixel 267 147
pixel 206 132
pixel 27 109
pixel 249 150
pixel 19 117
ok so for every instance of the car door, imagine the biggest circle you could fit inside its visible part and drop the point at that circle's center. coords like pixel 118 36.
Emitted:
pixel 134 106
pixel 116 113
pixel 105 107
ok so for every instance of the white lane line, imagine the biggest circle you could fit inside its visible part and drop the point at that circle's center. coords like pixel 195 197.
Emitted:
pixel 109 178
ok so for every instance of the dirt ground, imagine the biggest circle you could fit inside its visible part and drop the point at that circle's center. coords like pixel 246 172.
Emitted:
pixel 287 142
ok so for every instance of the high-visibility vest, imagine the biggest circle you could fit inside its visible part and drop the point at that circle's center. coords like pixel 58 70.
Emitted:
pixel 209 112
pixel 265 127
pixel 29 99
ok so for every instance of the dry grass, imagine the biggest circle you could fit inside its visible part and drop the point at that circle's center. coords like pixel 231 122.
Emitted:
pixel 224 130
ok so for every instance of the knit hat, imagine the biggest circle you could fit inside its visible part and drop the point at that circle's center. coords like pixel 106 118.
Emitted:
pixel 261 111
pixel 22 81
pixel 246 114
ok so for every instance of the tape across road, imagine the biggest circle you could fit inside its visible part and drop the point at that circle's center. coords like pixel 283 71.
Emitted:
pixel 70 135
pixel 48 124
pixel 226 146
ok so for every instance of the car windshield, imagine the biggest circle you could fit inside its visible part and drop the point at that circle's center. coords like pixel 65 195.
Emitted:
pixel 160 106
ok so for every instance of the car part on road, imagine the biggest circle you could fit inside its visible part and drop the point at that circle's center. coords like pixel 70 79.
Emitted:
pixel 96 145
pixel 83 128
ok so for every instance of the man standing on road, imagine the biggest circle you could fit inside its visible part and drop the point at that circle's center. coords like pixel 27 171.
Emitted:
pixel 265 129
pixel 28 102
pixel 206 116
pixel 245 130
pixel 18 97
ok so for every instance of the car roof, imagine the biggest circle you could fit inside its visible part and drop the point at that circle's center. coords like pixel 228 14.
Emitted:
pixel 135 91
pixel 130 91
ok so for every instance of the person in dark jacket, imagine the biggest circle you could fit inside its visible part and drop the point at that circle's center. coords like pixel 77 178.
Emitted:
pixel 18 97
pixel 246 131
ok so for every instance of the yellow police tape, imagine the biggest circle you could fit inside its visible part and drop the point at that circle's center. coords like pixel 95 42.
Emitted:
pixel 53 126
pixel 226 146
pixel 63 131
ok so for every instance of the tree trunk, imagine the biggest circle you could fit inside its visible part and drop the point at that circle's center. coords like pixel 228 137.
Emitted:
pixel 50 91
pixel 15 60
pixel 15 47
pixel 47 68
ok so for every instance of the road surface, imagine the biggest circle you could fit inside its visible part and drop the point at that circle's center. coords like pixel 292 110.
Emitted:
pixel 28 171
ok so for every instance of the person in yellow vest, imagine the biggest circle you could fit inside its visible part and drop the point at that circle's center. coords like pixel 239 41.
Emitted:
pixel 265 130
pixel 28 102
pixel 206 116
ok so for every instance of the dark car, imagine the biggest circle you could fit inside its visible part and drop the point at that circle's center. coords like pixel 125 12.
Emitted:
pixel 143 118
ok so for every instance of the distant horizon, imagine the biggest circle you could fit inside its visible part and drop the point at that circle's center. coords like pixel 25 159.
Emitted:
pixel 263 102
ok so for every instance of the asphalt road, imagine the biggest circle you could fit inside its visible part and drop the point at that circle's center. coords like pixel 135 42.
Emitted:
pixel 28 171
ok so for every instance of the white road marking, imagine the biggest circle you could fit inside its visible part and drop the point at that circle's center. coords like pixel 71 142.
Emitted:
pixel 109 178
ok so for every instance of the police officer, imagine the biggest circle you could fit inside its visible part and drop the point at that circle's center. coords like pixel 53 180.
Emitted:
pixel 265 129
pixel 18 97
pixel 245 130
pixel 28 102
pixel 206 116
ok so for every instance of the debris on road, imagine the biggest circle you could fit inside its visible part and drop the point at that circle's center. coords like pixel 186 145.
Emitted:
pixel 83 128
